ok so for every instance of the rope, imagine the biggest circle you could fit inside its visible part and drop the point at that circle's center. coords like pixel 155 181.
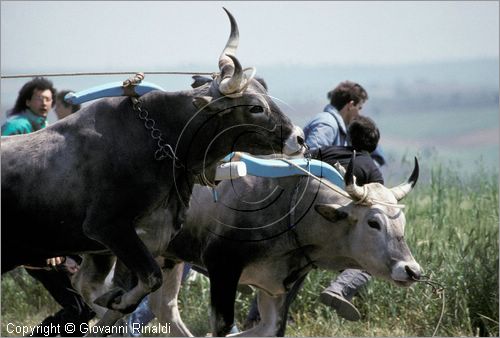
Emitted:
pixel 325 182
pixel 437 289
pixel 291 226
pixel 341 191
pixel 18 76
pixel 363 200
pixel 441 316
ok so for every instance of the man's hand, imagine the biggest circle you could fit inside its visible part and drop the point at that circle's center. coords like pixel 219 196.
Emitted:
pixel 55 261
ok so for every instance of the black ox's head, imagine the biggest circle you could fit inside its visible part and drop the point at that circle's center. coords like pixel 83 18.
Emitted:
pixel 240 110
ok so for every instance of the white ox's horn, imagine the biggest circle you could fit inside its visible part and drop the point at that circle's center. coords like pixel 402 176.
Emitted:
pixel 402 190
pixel 233 84
pixel 231 72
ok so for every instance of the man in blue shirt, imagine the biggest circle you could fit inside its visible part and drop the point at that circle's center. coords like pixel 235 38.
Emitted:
pixel 328 128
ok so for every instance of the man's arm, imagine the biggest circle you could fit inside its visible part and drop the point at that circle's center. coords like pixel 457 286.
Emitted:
pixel 320 135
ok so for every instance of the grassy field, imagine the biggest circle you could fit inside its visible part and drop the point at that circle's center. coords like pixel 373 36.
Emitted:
pixel 452 229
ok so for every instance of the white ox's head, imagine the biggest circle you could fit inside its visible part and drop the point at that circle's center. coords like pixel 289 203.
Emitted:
pixel 372 229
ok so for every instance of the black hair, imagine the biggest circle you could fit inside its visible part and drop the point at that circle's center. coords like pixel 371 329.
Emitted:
pixel 364 134
pixel 60 97
pixel 346 92
pixel 26 92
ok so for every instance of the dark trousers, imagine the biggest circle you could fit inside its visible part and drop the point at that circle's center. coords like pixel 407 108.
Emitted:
pixel 74 309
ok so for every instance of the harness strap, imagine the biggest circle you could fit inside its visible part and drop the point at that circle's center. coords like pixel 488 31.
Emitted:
pixel 291 225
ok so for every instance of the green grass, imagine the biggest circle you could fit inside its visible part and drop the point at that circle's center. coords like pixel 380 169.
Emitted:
pixel 24 300
pixel 452 230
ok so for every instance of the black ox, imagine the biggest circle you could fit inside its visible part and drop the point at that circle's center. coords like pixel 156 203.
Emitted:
pixel 85 183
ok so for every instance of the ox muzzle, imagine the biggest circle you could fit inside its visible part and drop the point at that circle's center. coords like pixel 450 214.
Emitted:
pixel 406 273
pixel 295 143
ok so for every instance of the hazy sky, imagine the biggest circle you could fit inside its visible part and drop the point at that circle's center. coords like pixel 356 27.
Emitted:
pixel 99 36
pixel 357 40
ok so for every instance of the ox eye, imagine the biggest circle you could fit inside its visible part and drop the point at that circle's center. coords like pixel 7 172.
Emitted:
pixel 256 110
pixel 374 225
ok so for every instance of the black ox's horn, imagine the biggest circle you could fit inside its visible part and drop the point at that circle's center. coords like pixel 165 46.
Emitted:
pixel 356 192
pixel 231 72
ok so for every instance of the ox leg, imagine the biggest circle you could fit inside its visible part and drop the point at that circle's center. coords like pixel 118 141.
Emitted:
pixel 125 244
pixel 224 277
pixel 122 279
pixel 93 279
pixel 163 302
pixel 290 297
pixel 95 276
pixel 272 311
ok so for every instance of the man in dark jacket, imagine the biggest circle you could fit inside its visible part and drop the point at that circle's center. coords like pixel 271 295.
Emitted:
pixel 364 139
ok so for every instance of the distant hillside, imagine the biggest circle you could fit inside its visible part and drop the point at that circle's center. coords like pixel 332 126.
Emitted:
pixel 307 83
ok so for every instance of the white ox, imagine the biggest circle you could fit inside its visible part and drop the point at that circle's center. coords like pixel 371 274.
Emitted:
pixel 297 224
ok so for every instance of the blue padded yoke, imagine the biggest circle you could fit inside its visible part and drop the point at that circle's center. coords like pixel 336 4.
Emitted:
pixel 278 168
pixel 107 90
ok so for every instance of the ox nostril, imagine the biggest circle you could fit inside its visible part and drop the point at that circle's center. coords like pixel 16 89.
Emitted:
pixel 413 275
pixel 300 140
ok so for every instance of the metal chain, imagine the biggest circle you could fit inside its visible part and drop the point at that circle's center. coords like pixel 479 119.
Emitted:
pixel 164 149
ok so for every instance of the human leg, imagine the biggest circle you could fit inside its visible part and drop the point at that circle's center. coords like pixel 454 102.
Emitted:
pixel 340 292
pixel 74 309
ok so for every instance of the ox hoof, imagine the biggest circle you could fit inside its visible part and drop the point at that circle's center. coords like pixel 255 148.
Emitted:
pixel 110 299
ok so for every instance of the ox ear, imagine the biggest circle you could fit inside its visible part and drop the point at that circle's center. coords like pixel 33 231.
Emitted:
pixel 201 102
pixel 332 212
pixel 199 81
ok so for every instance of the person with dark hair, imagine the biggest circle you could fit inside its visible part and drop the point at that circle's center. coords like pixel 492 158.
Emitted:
pixel 29 114
pixel 329 127
pixel 64 108
pixel 364 138
pixel 35 100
